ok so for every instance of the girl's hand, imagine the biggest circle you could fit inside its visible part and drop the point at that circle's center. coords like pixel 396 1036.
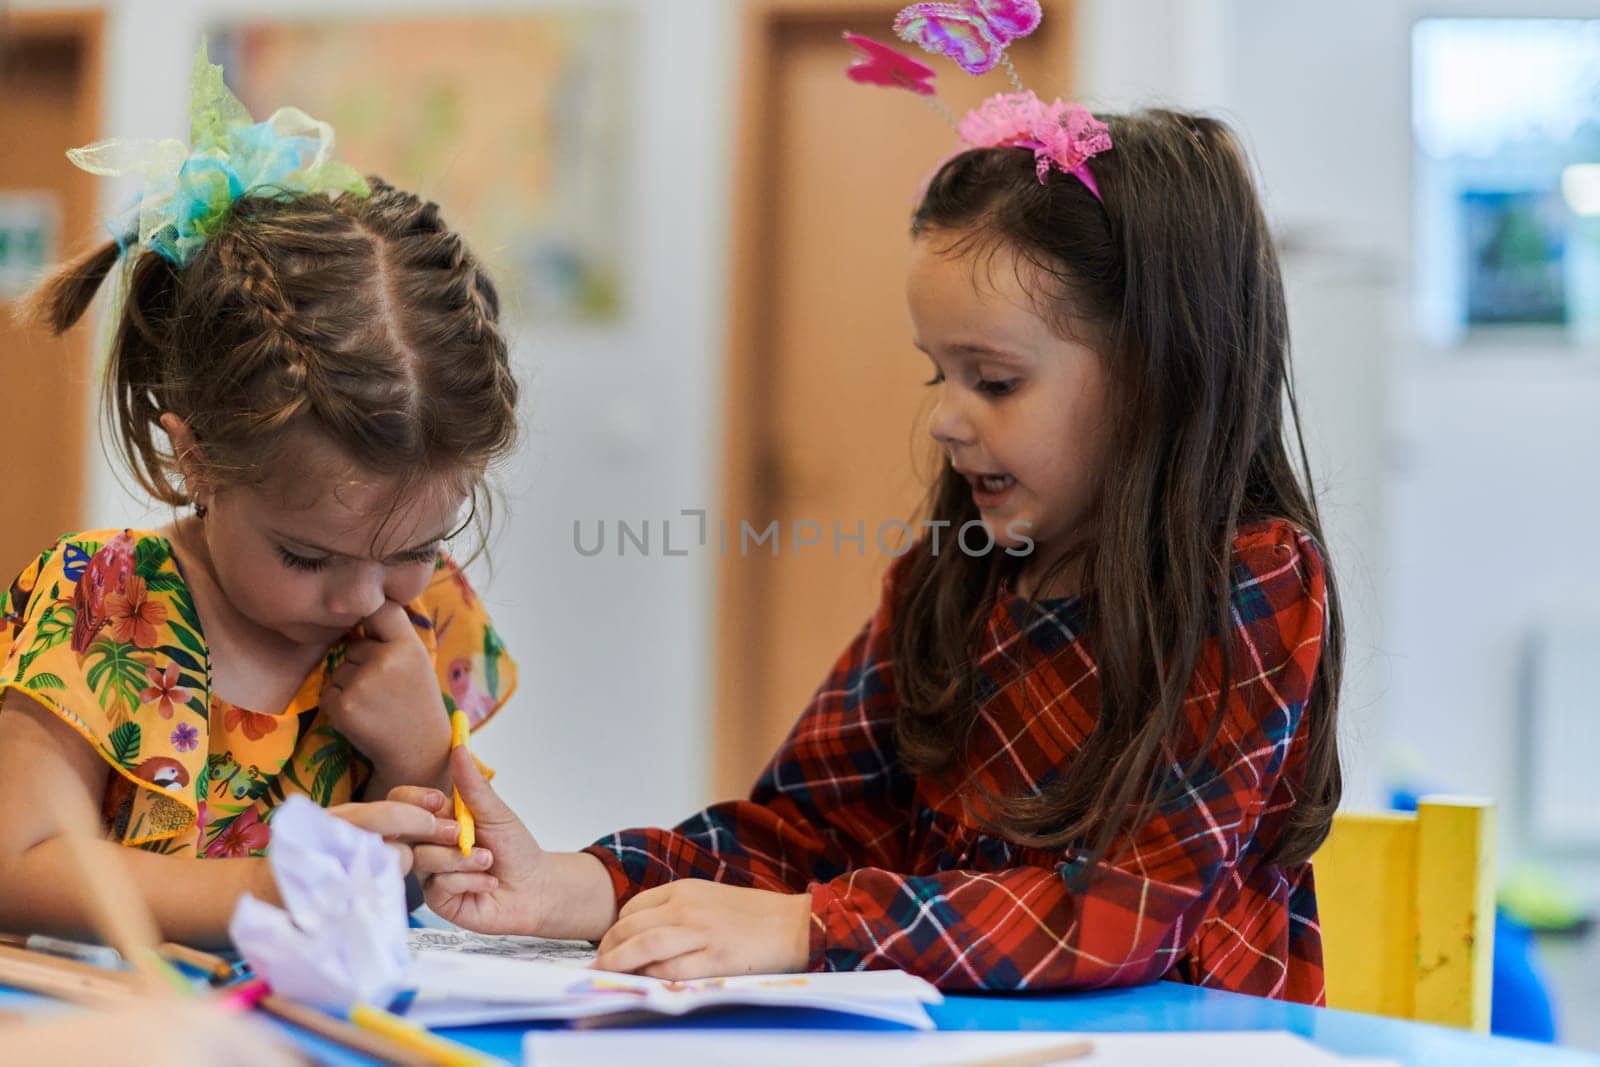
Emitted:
pixel 495 890
pixel 693 928
pixel 405 825
pixel 385 698
pixel 508 885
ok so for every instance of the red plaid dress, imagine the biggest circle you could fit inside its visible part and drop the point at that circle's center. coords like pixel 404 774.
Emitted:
pixel 902 875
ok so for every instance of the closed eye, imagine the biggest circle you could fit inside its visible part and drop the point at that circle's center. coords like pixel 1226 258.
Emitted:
pixel 996 388
pixel 295 561
pixel 301 563
pixel 935 380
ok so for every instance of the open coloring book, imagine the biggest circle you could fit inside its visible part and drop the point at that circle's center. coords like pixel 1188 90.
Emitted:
pixel 505 946
pixel 462 988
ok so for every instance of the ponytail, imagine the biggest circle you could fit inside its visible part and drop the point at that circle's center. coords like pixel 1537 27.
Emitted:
pixel 60 301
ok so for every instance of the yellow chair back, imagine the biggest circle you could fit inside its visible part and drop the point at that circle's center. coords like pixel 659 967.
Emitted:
pixel 1406 905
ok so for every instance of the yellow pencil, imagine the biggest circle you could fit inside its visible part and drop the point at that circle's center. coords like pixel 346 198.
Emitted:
pixel 366 1042
pixel 436 1049
pixel 460 728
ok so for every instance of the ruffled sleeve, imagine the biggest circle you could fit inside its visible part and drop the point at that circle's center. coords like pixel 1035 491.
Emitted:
pixel 100 631
pixel 475 673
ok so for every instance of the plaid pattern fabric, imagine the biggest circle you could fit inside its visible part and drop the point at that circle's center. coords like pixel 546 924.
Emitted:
pixel 902 874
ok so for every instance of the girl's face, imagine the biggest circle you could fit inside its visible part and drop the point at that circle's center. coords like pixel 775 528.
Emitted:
pixel 311 554
pixel 1020 411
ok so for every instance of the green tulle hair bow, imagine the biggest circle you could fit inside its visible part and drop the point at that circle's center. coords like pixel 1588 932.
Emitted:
pixel 190 189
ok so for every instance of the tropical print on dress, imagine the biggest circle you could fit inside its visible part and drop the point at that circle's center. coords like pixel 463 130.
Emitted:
pixel 101 629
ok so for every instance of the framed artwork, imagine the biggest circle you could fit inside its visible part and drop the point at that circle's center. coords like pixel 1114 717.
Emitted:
pixel 516 124
pixel 1515 247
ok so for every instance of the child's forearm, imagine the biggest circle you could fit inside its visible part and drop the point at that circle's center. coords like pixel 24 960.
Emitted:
pixel 190 899
pixel 583 904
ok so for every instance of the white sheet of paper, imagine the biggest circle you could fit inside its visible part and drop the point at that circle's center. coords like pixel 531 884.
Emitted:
pixel 807 1048
pixel 340 938
pixel 460 989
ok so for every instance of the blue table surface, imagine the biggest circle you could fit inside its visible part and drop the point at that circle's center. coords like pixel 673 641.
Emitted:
pixel 1165 1006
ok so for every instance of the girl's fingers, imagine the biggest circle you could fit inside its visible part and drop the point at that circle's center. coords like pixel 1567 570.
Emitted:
pixel 402 822
pixel 656 945
pixel 631 924
pixel 684 968
pixel 460 884
pixel 422 797
pixel 480 797
pixel 650 898
pixel 342 675
pixel 388 623
pixel 446 859
pixel 409 823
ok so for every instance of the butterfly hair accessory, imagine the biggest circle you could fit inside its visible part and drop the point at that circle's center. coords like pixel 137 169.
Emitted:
pixel 878 64
pixel 976 34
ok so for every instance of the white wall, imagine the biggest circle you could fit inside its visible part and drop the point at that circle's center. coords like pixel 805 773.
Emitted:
pixel 611 722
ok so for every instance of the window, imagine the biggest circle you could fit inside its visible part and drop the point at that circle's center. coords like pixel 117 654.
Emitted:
pixel 1506 127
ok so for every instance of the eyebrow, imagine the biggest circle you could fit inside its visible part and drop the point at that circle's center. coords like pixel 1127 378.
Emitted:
pixel 334 552
pixel 979 351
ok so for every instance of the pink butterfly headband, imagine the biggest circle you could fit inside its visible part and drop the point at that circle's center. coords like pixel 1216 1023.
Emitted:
pixel 976 34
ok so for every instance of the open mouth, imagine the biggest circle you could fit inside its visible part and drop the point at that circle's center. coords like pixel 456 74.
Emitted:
pixel 994 483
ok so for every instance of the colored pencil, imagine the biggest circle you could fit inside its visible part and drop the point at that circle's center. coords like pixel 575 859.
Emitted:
pixel 215 968
pixel 460 730
pixel 69 980
pixel 83 951
pixel 431 1047
pixel 244 996
pixel 340 1032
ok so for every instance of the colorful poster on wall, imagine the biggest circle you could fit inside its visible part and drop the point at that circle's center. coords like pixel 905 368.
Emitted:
pixel 29 223
pixel 1515 244
pixel 516 125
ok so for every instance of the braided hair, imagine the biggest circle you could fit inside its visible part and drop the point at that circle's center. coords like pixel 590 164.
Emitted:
pixel 365 319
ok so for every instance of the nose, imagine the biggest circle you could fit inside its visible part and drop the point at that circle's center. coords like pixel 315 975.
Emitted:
pixel 948 424
pixel 359 595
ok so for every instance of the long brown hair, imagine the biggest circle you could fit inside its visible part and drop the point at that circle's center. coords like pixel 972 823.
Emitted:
pixel 365 319
pixel 1176 279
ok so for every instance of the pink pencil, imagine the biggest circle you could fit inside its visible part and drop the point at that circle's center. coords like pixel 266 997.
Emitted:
pixel 244 996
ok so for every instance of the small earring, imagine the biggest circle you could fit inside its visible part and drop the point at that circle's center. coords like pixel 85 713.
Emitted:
pixel 200 511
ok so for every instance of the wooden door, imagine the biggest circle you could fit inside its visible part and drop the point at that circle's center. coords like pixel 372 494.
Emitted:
pixel 825 411
pixel 50 68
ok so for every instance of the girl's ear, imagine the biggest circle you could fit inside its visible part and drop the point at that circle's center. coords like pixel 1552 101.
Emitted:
pixel 186 450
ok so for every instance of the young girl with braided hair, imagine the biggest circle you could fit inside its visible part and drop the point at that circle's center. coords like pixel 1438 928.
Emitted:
pixel 308 367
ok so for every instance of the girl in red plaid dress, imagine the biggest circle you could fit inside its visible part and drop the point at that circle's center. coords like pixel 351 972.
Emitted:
pixel 1100 752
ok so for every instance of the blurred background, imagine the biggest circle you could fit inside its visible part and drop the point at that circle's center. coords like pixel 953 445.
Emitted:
pixel 700 229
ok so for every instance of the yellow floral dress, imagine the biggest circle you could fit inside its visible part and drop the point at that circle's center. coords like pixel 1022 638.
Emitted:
pixel 101 630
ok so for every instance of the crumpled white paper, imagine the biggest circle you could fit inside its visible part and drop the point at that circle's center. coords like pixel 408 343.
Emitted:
pixel 342 938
